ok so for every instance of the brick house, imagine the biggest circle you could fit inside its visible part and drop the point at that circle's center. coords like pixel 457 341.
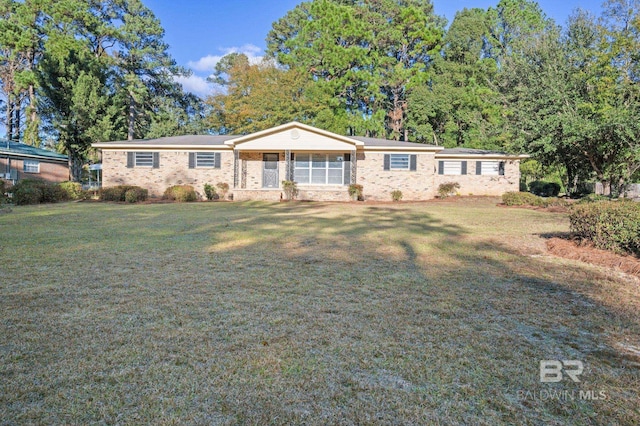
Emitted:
pixel 323 164
pixel 19 161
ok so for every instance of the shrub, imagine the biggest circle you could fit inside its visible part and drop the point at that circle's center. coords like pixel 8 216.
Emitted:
pixel 592 198
pixel 223 187
pixel 180 193
pixel 26 194
pixel 73 190
pixel 115 193
pixel 4 186
pixel 396 195
pixel 210 192
pixel 290 189
pixel 544 189
pixel 609 225
pixel 447 189
pixel 355 191
pixel 136 195
pixel 32 191
pixel 521 199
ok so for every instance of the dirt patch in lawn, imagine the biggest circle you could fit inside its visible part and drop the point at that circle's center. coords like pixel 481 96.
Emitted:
pixel 572 249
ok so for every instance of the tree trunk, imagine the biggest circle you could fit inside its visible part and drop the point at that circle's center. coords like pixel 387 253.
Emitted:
pixel 75 167
pixel 9 118
pixel 132 118
pixel 16 123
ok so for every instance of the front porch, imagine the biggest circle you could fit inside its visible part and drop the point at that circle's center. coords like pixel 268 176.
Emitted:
pixel 305 192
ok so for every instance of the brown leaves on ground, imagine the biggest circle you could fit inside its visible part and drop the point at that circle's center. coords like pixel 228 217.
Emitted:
pixel 571 250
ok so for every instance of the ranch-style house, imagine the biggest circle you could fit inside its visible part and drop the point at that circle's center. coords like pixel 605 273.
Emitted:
pixel 323 164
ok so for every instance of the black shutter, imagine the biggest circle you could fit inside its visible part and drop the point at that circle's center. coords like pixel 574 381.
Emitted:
pixel 413 162
pixel 501 168
pixel 216 160
pixel 478 167
pixel 156 160
pixel 131 158
pixel 347 169
pixel 440 167
pixel 387 162
pixel 192 160
pixel 464 168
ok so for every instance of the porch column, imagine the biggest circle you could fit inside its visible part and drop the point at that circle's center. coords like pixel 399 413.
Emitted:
pixel 354 166
pixel 236 161
pixel 287 169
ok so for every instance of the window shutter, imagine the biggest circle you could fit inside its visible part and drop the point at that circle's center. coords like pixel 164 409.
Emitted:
pixel 413 162
pixel 216 160
pixel 347 169
pixel 478 167
pixel 501 168
pixel 463 168
pixel 131 158
pixel 156 160
pixel 387 162
pixel 440 167
pixel 192 160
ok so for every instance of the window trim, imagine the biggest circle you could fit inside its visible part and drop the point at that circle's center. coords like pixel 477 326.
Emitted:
pixel 326 168
pixel 27 166
pixel 148 159
pixel 132 159
pixel 412 165
pixel 396 156
pixel 462 167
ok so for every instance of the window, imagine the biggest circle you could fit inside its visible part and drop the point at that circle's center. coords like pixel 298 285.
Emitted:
pixel 204 160
pixel 31 166
pixel 143 159
pixel 490 168
pixel 319 169
pixel 400 162
pixel 452 168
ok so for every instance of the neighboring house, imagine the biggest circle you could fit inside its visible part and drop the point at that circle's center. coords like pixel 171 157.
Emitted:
pixel 19 161
pixel 322 163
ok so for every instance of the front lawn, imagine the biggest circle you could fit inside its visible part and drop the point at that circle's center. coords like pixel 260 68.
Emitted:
pixel 316 313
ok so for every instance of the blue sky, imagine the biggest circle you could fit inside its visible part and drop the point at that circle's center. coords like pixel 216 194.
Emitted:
pixel 200 32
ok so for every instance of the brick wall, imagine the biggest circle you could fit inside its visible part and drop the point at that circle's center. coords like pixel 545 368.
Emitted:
pixel 379 183
pixel 472 184
pixel 174 170
pixel 49 171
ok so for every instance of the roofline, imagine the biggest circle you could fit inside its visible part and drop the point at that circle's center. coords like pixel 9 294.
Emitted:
pixel 132 146
pixel 40 157
pixel 488 155
pixel 435 149
pixel 293 124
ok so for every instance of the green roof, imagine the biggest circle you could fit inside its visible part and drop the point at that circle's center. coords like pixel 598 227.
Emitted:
pixel 22 150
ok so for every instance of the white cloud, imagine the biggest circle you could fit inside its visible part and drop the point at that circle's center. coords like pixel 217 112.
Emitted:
pixel 208 63
pixel 196 85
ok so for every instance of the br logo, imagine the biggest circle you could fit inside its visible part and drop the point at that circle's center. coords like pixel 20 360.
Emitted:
pixel 551 371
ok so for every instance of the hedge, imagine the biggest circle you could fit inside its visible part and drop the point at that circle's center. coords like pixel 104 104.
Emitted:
pixel 117 193
pixel 73 190
pixel 528 199
pixel 180 193
pixel 33 191
pixel 544 189
pixel 136 195
pixel 610 225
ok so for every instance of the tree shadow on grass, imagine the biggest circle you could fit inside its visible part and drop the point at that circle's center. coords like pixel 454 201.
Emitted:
pixel 314 313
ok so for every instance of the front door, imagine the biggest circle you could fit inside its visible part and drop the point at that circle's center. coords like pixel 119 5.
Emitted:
pixel 270 170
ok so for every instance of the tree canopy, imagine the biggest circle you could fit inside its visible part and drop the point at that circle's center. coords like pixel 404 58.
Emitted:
pixel 503 78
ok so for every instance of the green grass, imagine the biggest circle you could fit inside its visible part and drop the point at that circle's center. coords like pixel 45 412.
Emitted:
pixel 259 313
